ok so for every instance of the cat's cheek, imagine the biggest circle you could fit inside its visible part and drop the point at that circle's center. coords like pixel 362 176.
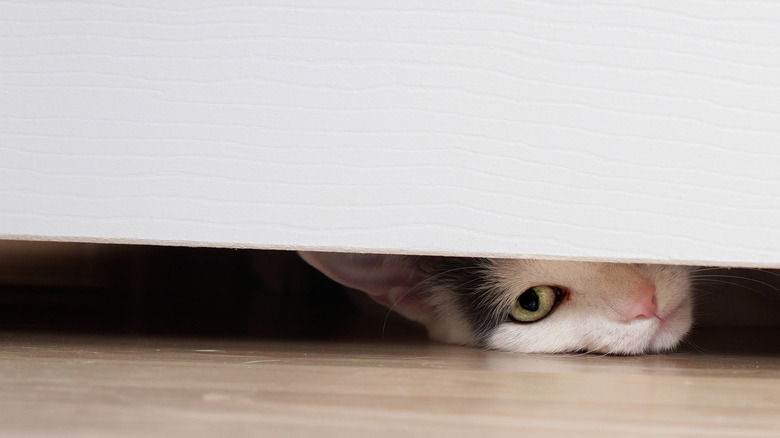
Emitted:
pixel 533 338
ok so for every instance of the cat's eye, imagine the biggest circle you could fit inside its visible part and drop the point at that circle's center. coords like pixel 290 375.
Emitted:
pixel 534 304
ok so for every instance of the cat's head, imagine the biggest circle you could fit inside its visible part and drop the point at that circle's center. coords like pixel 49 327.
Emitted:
pixel 526 306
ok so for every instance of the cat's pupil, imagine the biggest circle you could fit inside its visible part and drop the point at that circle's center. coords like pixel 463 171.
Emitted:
pixel 529 300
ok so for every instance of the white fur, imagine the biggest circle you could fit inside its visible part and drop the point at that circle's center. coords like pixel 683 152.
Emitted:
pixel 588 318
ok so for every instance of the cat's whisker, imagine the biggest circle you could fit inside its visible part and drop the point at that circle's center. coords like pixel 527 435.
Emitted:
pixel 412 289
pixel 447 272
pixel 737 283
pixel 699 313
pixel 696 347
pixel 709 268
pixel 737 276
pixel 771 272
pixel 718 280
pixel 572 354
pixel 581 353
pixel 703 293
pixel 736 273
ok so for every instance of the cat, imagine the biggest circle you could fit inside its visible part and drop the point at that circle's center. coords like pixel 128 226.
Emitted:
pixel 526 306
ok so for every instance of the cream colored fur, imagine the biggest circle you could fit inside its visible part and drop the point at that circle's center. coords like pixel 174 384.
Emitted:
pixel 588 318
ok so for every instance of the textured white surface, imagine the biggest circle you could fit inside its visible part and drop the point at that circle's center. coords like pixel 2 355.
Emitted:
pixel 626 130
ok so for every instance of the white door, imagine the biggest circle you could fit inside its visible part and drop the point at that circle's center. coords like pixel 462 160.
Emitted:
pixel 620 130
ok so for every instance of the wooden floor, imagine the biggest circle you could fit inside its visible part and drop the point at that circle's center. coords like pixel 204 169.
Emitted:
pixel 88 385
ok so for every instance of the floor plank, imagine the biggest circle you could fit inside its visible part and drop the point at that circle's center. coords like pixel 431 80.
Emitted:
pixel 89 385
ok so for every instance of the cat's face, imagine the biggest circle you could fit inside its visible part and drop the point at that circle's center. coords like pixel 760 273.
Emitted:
pixel 527 306
pixel 596 307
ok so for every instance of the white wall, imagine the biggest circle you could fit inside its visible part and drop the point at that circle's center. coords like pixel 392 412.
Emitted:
pixel 625 130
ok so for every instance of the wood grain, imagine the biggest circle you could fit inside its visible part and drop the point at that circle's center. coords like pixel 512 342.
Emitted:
pixel 591 130
pixel 97 386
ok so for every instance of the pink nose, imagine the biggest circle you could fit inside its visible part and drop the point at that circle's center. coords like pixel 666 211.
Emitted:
pixel 644 306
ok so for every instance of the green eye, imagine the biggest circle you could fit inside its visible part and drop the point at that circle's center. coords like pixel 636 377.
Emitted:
pixel 534 304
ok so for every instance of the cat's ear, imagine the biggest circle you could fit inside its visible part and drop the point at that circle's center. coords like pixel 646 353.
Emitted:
pixel 394 281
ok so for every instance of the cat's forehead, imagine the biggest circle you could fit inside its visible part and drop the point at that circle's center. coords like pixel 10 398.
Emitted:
pixel 587 277
pixel 532 272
